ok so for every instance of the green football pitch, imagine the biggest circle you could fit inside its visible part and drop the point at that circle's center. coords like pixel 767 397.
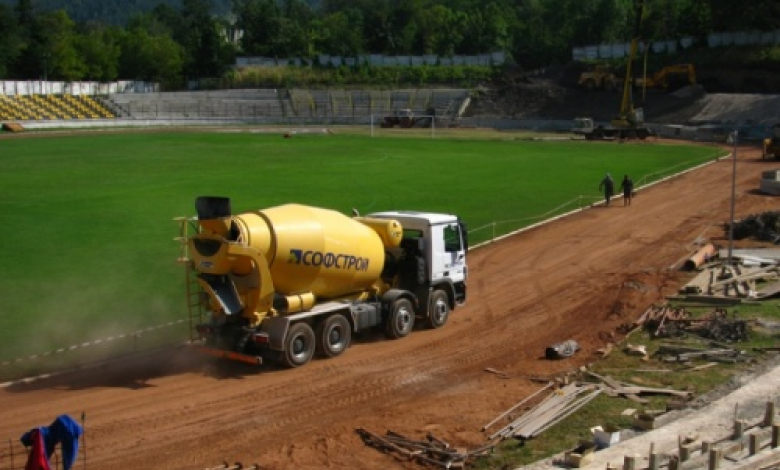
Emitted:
pixel 88 233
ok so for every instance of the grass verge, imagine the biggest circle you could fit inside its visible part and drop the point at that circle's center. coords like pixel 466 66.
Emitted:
pixel 697 376
pixel 88 248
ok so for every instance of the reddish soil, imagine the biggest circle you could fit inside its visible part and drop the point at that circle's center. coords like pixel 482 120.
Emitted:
pixel 580 278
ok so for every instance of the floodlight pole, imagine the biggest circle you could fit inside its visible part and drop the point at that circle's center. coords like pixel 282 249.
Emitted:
pixel 733 198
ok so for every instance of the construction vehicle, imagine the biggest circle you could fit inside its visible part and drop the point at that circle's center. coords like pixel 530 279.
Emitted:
pixel 401 118
pixel 291 281
pixel 629 124
pixel 771 147
pixel 599 77
pixel 405 118
pixel 669 78
pixel 587 128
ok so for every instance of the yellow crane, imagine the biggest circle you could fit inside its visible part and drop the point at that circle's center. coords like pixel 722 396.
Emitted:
pixel 629 123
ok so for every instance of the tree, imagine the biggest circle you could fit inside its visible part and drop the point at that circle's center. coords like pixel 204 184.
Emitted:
pixel 11 40
pixel 341 33
pixel 261 22
pixel 488 29
pixel 156 58
pixel 99 47
pixel 202 43
pixel 61 59
pixel 443 31
pixel 25 14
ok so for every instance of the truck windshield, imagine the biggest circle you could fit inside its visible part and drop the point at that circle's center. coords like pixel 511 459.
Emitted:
pixel 452 238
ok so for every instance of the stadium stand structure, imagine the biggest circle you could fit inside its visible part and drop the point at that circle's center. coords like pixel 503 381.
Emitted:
pixel 268 105
pixel 283 105
pixel 362 104
pixel 53 107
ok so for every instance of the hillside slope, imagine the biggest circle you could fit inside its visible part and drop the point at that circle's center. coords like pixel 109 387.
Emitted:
pixel 556 96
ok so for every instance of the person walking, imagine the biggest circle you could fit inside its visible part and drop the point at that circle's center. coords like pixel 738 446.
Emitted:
pixel 627 186
pixel 608 186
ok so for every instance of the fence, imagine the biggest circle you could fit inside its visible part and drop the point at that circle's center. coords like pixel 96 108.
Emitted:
pixel 375 60
pixel 45 87
pixel 670 46
pixel 14 455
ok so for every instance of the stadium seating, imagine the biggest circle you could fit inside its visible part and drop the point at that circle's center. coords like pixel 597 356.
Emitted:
pixel 266 105
pixel 53 107
pixel 444 103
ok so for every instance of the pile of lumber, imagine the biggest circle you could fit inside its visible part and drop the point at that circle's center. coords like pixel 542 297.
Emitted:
pixel 615 388
pixel 753 279
pixel 553 408
pixel 716 353
pixel 430 451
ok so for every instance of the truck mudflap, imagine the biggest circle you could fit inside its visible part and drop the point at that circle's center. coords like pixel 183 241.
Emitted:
pixel 232 355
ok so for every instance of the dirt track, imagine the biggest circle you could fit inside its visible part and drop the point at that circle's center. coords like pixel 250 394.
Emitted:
pixel 577 278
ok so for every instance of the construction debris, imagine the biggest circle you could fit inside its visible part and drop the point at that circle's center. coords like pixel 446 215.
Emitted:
pixel 235 466
pixel 607 350
pixel 764 227
pixel 702 256
pixel 676 353
pixel 554 408
pixel 516 406
pixel 580 456
pixel 735 275
pixel 614 388
pixel 562 350
pixel 431 451
pixel 636 350
pixel 668 322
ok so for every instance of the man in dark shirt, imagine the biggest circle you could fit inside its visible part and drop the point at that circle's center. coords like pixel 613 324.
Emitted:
pixel 609 188
pixel 627 186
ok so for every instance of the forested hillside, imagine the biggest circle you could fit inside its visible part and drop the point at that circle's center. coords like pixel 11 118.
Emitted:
pixel 114 12
pixel 173 41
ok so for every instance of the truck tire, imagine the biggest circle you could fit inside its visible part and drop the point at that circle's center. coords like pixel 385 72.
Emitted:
pixel 400 322
pixel 439 310
pixel 333 336
pixel 298 345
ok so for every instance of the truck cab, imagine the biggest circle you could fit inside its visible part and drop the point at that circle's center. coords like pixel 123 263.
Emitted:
pixel 441 241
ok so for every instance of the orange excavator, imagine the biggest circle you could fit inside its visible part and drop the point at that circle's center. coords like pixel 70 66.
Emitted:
pixel 669 78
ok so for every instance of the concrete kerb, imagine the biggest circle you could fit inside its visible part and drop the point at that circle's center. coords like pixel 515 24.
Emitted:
pixel 712 423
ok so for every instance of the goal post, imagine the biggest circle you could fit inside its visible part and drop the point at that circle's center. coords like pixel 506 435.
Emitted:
pixel 419 122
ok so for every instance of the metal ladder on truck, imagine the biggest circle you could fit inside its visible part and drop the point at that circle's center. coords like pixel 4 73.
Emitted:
pixel 195 294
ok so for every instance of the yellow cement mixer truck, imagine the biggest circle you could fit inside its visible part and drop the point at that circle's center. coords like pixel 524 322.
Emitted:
pixel 290 282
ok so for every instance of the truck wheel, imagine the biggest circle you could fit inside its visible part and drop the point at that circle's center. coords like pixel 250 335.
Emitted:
pixel 401 320
pixel 333 336
pixel 298 346
pixel 439 311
